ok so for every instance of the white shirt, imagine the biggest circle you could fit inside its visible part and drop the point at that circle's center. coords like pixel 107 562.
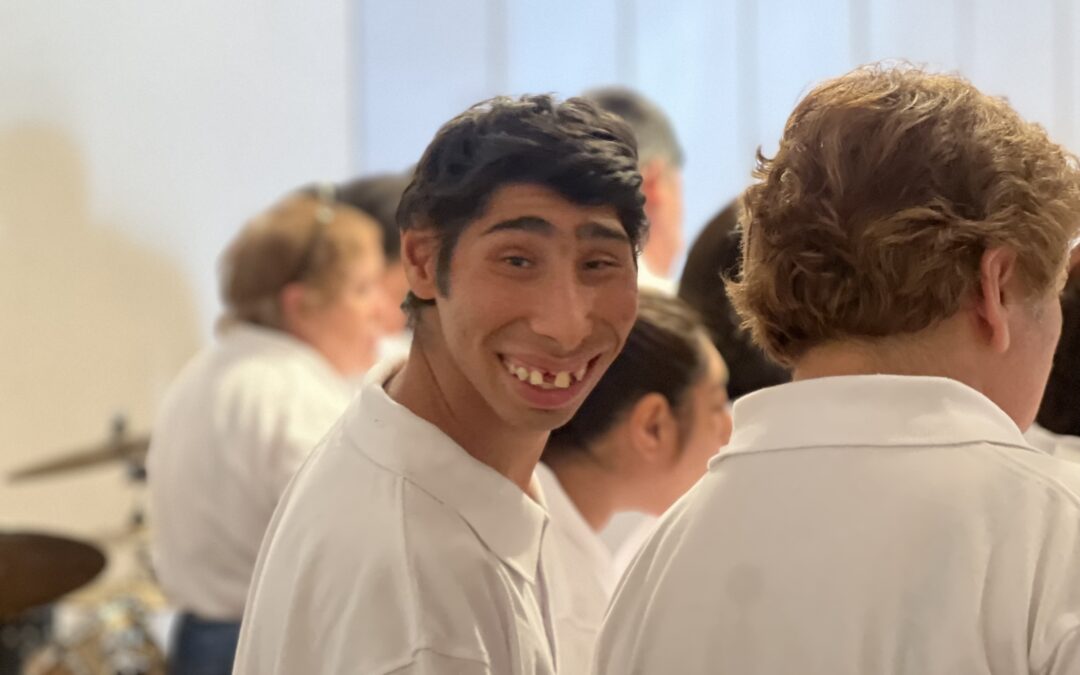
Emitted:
pixel 395 551
pixel 582 576
pixel 654 282
pixel 1064 446
pixel 873 525
pixel 232 430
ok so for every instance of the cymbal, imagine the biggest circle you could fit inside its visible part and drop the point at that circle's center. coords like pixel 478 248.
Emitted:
pixel 39 568
pixel 127 449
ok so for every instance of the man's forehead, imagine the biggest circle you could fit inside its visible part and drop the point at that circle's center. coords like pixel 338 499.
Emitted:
pixel 538 209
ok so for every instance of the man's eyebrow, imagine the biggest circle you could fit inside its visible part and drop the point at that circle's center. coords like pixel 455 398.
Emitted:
pixel 594 230
pixel 533 224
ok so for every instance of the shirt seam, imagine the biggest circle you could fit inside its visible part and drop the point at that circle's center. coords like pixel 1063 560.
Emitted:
pixel 900 445
pixel 416 651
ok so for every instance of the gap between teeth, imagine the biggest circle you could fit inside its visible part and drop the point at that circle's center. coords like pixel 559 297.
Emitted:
pixel 563 379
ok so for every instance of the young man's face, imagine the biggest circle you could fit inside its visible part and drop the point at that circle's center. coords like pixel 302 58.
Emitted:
pixel 542 295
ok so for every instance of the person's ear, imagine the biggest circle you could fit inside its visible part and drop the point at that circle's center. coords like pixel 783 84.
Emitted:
pixel 294 300
pixel 996 299
pixel 654 429
pixel 419 257
pixel 652 182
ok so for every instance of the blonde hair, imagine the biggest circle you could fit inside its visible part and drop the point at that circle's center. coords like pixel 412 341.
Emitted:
pixel 888 186
pixel 302 238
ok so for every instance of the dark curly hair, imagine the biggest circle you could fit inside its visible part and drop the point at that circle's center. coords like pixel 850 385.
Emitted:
pixel 587 156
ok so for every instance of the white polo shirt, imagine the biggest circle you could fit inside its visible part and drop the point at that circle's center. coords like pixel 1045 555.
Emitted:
pixel 233 428
pixel 872 525
pixel 395 551
pixel 1063 446
pixel 582 576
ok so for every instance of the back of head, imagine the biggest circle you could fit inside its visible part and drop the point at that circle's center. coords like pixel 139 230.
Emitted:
pixel 888 187
pixel 653 130
pixel 302 238
pixel 715 256
pixel 663 354
pixel 1060 409
pixel 586 156
pixel 378 196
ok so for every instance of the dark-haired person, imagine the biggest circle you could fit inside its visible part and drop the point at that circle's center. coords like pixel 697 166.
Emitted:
pixel 411 541
pixel 882 514
pixel 660 159
pixel 1057 427
pixel 379 196
pixel 713 257
pixel 303 311
pixel 639 441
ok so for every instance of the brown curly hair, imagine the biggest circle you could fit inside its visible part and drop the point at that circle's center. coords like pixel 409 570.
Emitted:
pixel 888 186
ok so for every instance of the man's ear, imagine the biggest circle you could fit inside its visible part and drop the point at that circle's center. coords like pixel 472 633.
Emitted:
pixel 652 182
pixel 419 256
pixel 654 430
pixel 996 298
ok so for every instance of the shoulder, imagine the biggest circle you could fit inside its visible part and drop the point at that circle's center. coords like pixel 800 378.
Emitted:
pixel 359 562
pixel 1043 474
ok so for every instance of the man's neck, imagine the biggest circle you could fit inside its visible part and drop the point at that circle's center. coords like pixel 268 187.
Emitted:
pixel 933 352
pixel 460 412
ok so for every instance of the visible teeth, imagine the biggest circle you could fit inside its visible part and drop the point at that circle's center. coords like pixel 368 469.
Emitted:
pixel 562 380
pixel 522 374
pixel 580 375
pixel 536 378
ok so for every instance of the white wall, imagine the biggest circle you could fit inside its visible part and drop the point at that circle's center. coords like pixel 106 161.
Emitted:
pixel 727 71
pixel 135 138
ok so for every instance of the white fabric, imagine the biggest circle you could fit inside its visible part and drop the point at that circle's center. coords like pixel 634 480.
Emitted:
pixel 633 543
pixel 395 551
pixel 232 430
pixel 647 279
pixel 872 525
pixel 582 577
pixel 1063 446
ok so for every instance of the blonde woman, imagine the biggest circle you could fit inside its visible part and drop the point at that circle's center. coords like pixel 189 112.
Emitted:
pixel 303 311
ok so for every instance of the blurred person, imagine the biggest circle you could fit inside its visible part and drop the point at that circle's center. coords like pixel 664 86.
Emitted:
pixel 379 196
pixel 303 309
pixel 1057 427
pixel 640 440
pixel 412 540
pixel 882 513
pixel 660 159
pixel 713 257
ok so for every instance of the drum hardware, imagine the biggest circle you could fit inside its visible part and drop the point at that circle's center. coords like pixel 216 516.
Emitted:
pixel 36 569
pixel 119 448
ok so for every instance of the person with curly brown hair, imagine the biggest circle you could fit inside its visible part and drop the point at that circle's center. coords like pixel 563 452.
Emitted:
pixel 882 513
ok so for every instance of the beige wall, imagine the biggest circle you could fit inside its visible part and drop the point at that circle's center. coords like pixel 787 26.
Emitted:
pixel 135 137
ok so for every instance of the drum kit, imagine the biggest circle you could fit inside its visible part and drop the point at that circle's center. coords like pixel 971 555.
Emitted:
pixel 47 583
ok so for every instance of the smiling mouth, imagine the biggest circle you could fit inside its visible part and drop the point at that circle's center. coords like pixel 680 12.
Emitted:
pixel 546 379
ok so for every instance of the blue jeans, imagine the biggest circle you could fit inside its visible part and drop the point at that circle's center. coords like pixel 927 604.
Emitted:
pixel 203 647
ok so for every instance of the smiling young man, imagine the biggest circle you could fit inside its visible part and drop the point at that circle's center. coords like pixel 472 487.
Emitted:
pixel 411 541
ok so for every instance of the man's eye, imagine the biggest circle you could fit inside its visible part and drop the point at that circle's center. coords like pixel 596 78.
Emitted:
pixel 518 261
pixel 600 264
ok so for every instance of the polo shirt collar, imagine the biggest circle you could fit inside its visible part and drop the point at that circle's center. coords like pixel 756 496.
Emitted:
pixel 507 520
pixel 868 411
